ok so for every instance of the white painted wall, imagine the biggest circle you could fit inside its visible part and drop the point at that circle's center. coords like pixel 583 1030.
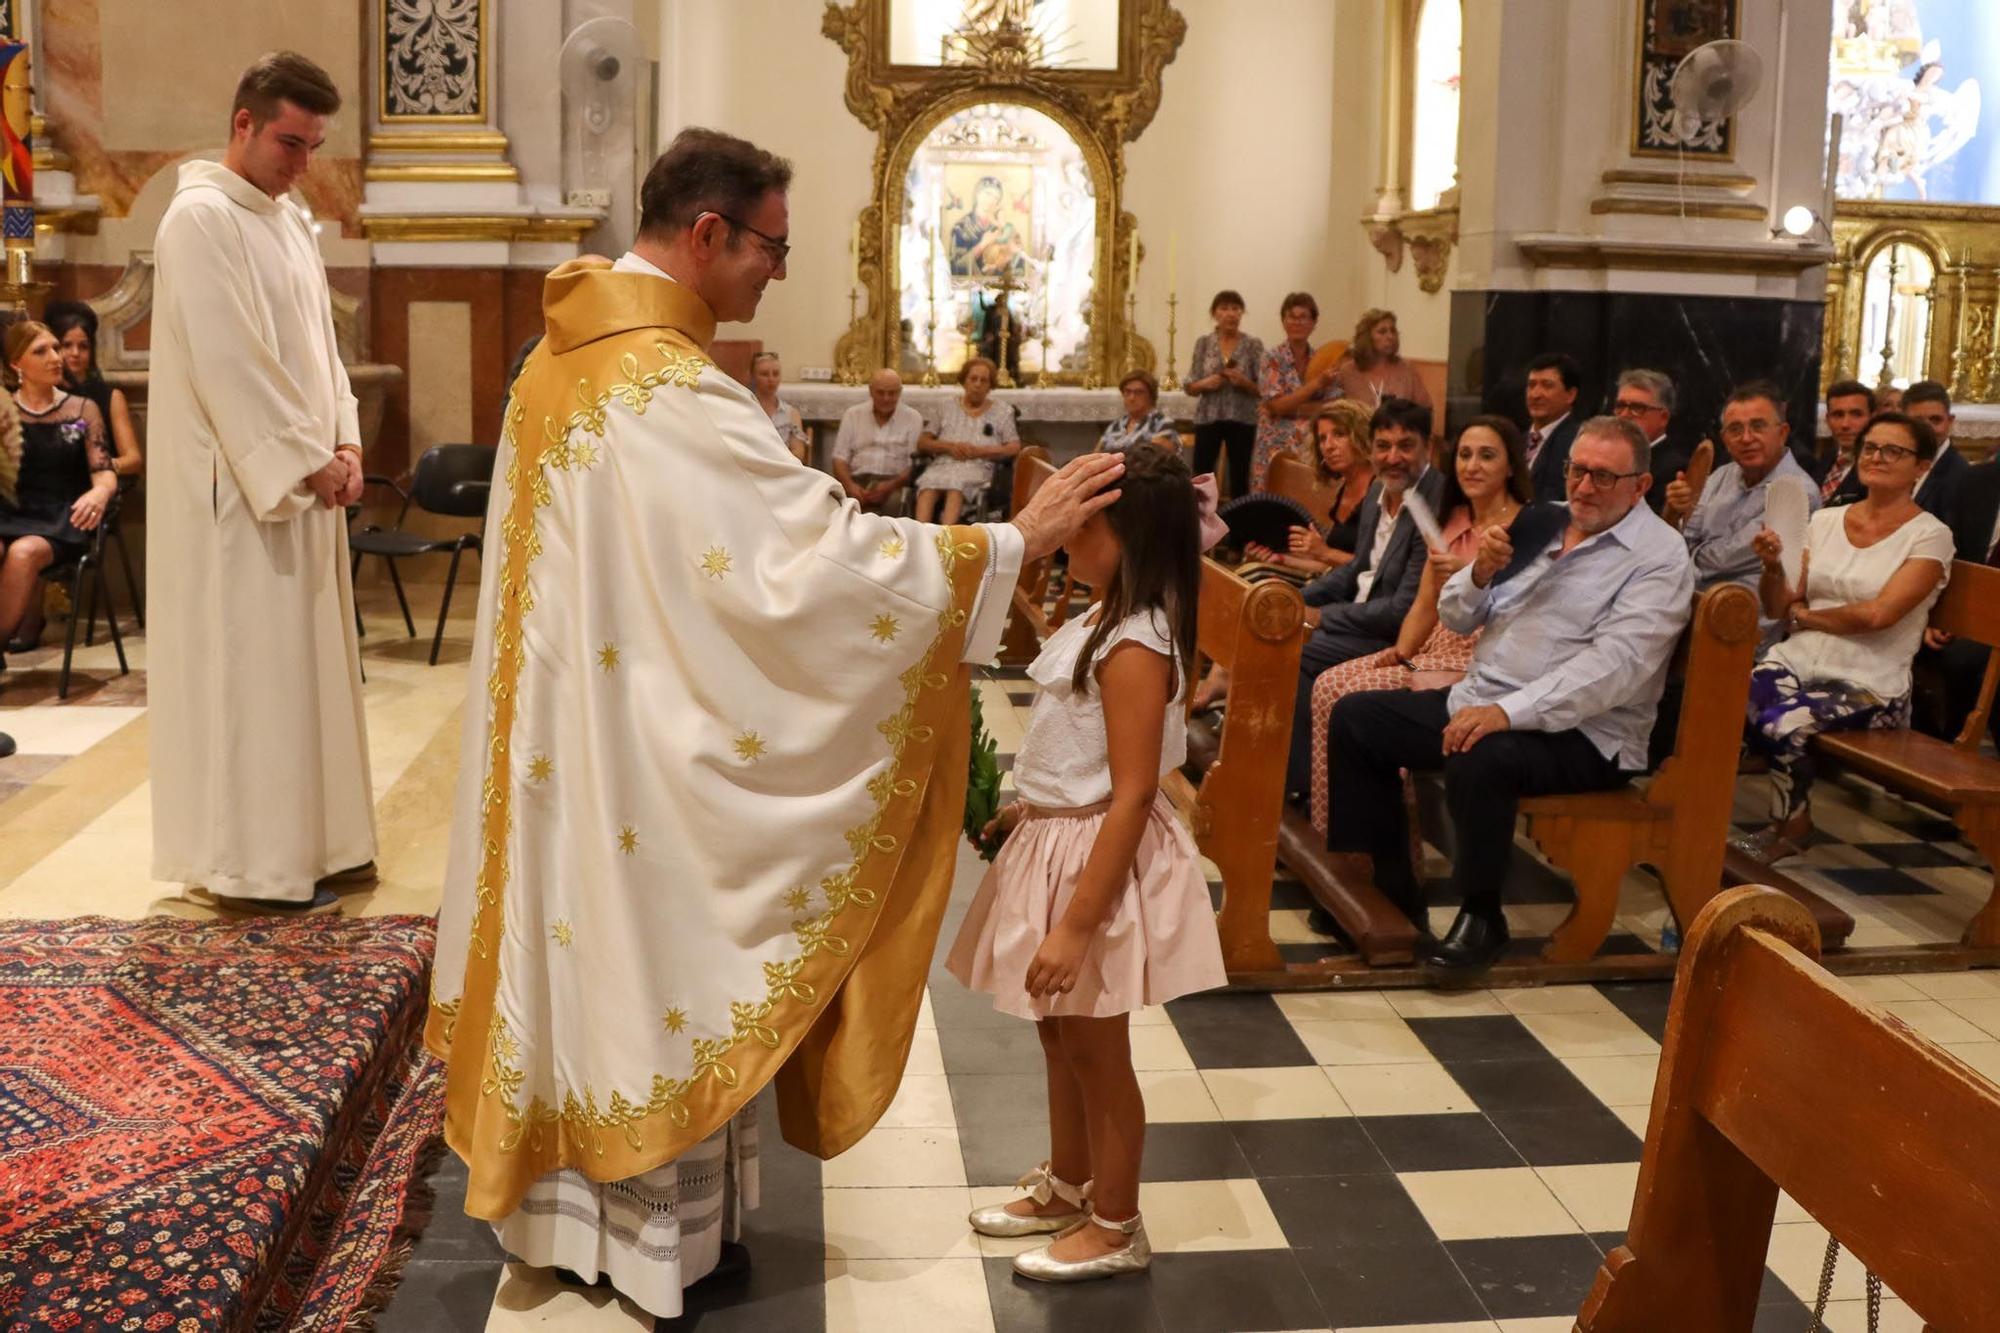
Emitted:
pixel 1261 159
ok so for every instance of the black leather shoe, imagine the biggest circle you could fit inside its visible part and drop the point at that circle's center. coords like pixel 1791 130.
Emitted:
pixel 569 1277
pixel 6 745
pixel 1473 944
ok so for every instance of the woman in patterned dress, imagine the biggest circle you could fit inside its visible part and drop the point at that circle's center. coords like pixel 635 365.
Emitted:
pixel 1289 400
pixel 1487 485
pixel 970 434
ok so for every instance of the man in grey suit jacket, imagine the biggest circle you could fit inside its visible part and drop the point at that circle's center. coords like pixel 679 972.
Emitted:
pixel 1358 608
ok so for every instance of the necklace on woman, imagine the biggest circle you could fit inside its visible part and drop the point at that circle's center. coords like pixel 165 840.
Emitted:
pixel 55 397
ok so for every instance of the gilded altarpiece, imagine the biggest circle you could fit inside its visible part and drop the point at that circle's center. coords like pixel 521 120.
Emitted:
pixel 999 168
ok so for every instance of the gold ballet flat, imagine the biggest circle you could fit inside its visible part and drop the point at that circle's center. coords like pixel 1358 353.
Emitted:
pixel 1136 1257
pixel 1042 1185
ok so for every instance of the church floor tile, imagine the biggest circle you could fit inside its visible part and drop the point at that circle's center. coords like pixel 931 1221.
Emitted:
pixel 1369 1162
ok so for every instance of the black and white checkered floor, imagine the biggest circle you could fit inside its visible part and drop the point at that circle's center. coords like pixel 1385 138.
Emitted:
pixel 1391 1160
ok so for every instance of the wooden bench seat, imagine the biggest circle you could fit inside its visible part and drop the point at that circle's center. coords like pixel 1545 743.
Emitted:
pixel 1775 1076
pixel 1678 823
pixel 1954 776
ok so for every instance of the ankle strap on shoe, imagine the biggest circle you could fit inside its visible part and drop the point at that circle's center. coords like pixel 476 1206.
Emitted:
pixel 1044 1185
pixel 1128 1226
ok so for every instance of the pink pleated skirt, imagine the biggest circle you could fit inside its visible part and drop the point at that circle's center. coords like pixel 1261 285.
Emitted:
pixel 1158 941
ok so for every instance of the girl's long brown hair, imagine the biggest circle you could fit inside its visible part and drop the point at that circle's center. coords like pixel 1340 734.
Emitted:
pixel 1159 526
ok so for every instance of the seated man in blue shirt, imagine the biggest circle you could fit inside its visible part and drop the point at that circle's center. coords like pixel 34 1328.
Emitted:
pixel 1560 696
pixel 1729 512
pixel 1358 608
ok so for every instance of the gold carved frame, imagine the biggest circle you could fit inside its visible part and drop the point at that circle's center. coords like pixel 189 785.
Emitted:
pixel 1101 109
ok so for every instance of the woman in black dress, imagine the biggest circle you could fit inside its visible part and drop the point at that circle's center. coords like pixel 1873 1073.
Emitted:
pixel 75 325
pixel 66 480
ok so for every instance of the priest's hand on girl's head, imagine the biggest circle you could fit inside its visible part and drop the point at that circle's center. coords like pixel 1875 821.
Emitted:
pixel 1066 500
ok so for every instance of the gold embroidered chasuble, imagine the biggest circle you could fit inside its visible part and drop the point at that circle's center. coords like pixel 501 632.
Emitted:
pixel 713 767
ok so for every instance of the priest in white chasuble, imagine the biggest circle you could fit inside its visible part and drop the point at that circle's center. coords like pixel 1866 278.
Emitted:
pixel 260 784
pixel 714 763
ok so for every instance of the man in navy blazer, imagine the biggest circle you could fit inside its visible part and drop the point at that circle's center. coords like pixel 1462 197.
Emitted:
pixel 1358 608
pixel 1553 382
pixel 1929 402
pixel 1976 531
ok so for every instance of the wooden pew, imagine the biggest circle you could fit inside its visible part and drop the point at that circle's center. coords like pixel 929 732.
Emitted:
pixel 1952 776
pixel 1256 632
pixel 1679 822
pixel 1775 1075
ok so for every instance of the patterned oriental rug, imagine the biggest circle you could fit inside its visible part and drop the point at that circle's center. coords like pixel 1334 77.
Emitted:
pixel 209 1125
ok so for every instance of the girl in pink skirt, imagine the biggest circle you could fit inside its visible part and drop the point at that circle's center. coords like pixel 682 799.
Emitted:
pixel 1097 903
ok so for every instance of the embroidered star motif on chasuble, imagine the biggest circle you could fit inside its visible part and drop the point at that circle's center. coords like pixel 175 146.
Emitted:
pixel 750 747
pixel 563 933
pixel 607 657
pixel 891 549
pixel 541 768
pixel 715 562
pixel 628 840
pixel 675 1020
pixel 884 628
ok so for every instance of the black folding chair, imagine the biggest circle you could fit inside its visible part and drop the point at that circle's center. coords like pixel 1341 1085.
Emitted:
pixel 451 480
pixel 114 536
pixel 84 575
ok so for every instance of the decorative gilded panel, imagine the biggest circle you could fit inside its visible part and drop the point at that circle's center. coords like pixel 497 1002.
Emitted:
pixel 434 60
pixel 1098 109
pixel 1668 31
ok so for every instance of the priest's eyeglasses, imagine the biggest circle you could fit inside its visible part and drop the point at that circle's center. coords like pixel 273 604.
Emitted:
pixel 1603 478
pixel 773 247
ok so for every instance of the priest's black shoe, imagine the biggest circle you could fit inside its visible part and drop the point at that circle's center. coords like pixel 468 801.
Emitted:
pixel 1473 944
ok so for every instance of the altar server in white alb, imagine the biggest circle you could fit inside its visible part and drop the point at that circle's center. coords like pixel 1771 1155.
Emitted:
pixel 260 783
pixel 714 763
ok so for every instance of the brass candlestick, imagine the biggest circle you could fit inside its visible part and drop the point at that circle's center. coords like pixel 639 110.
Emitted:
pixel 1171 382
pixel 930 380
pixel 1959 370
pixel 1993 349
pixel 1002 376
pixel 1093 370
pixel 850 373
pixel 1887 378
pixel 1131 328
pixel 1042 378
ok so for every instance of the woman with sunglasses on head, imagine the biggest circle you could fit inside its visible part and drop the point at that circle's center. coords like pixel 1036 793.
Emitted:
pixel 1869 575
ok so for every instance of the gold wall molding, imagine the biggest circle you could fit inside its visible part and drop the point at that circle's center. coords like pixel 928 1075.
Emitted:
pixel 436 227
pixel 477 172
pixel 1101 109
pixel 430 143
pixel 1674 208
pixel 1733 181
pixel 1601 252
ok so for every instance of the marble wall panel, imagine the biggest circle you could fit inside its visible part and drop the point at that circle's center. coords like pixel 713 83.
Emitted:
pixel 1707 344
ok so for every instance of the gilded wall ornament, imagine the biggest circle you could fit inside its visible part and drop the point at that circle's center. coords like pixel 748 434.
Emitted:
pixel 1101 109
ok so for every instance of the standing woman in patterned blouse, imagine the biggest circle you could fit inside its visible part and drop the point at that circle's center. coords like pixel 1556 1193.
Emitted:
pixel 65 482
pixel 1223 380
pixel 1283 422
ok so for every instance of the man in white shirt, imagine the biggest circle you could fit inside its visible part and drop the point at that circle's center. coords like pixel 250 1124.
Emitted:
pixel 874 455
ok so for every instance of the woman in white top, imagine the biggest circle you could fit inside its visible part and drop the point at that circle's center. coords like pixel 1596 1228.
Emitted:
pixel 970 434
pixel 766 374
pixel 1871 572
